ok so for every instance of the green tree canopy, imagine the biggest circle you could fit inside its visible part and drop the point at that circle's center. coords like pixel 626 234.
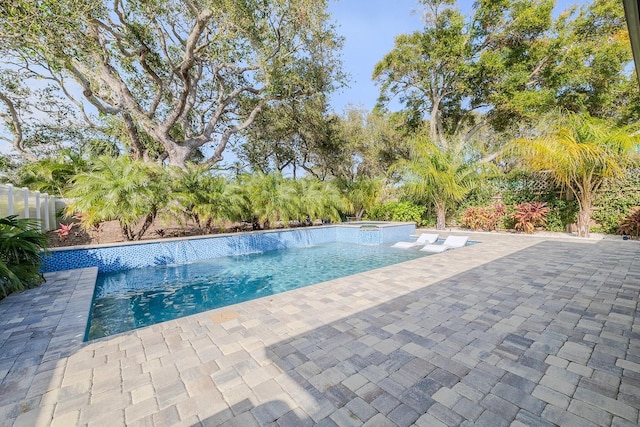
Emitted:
pixel 508 63
pixel 295 135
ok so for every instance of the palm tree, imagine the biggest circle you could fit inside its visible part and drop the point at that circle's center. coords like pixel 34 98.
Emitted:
pixel 436 175
pixel 204 197
pixel 270 198
pixel 579 152
pixel 318 199
pixel 119 189
pixel 21 247
pixel 360 195
pixel 52 175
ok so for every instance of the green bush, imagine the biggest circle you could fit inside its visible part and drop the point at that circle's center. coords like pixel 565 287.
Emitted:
pixel 397 211
pixel 119 189
pixel 561 213
pixel 20 254
pixel 615 200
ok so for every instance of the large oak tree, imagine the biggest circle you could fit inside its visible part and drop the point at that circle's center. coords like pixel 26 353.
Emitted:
pixel 184 75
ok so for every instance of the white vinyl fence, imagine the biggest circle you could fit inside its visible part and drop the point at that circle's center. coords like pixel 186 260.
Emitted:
pixel 30 204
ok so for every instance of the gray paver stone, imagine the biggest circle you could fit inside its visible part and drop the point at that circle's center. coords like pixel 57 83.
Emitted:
pixel 361 409
pixel 608 404
pixel 551 396
pixel 563 418
pixel 529 419
pixel 491 419
pixel 270 411
pixel 597 415
pixel 519 398
pixel 379 420
pixel 428 420
pixel 385 403
pixel 468 409
pixel 403 415
pixel 500 406
pixel 445 414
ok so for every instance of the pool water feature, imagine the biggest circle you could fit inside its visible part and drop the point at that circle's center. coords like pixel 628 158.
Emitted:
pixel 130 299
pixel 125 256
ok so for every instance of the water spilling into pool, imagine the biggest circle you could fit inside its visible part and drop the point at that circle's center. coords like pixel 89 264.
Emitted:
pixel 131 299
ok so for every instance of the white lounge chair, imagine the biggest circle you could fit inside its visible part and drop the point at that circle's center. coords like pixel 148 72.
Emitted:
pixel 449 243
pixel 423 239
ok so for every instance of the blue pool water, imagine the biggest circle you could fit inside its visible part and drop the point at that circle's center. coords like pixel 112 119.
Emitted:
pixel 131 299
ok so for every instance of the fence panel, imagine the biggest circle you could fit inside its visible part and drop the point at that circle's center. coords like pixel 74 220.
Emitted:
pixel 30 204
pixel 6 203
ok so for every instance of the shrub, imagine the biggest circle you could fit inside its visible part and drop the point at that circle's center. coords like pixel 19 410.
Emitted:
pixel 119 189
pixel 20 254
pixel 529 215
pixel 397 211
pixel 485 218
pixel 561 213
pixel 631 223
pixel 616 199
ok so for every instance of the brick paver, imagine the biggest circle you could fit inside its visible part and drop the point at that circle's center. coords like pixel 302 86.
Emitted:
pixel 517 330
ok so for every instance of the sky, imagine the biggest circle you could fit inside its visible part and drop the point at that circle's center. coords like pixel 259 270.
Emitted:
pixel 369 28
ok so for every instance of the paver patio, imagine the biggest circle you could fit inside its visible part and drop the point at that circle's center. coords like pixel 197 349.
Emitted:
pixel 517 331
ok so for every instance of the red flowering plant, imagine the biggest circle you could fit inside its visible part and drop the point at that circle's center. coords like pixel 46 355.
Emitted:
pixel 630 225
pixel 64 231
pixel 485 218
pixel 529 215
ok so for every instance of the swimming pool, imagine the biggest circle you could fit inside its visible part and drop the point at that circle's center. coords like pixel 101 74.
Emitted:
pixel 126 300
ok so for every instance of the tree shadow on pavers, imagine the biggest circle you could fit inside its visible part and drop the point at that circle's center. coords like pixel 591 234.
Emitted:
pixel 516 339
pixel 246 414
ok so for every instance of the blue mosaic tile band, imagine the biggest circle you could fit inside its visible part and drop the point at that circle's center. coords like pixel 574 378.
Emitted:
pixel 179 251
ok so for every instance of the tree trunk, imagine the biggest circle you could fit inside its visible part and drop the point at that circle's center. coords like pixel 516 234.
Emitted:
pixel 147 223
pixel 126 231
pixel 584 215
pixel 433 121
pixel 441 212
pixel 178 154
pixel 137 149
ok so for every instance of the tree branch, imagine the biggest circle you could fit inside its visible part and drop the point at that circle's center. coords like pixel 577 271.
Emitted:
pixel 188 60
pixel 16 128
pixel 217 155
